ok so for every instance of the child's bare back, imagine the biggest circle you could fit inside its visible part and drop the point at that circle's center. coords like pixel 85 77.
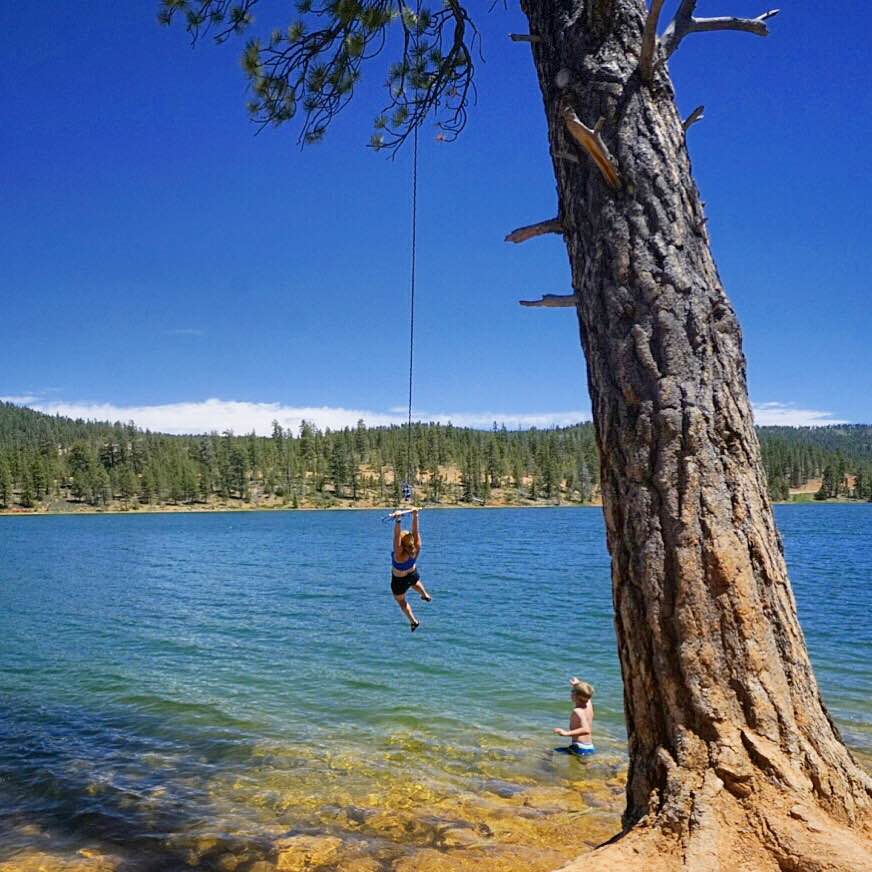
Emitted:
pixel 581 720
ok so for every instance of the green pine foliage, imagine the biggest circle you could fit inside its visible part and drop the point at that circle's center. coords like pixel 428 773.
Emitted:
pixel 309 68
pixel 840 456
pixel 60 463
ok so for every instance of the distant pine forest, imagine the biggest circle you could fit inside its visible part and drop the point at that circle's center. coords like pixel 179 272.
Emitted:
pixel 50 463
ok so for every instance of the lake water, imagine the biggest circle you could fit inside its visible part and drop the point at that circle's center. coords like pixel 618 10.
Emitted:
pixel 188 690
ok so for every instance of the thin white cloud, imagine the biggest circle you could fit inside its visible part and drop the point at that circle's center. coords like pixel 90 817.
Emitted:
pixel 788 415
pixel 19 399
pixel 243 417
pixel 512 421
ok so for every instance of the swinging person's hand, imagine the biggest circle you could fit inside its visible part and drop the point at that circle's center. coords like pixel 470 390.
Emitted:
pixel 560 731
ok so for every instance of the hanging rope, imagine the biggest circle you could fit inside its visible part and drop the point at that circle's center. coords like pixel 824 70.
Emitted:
pixel 407 486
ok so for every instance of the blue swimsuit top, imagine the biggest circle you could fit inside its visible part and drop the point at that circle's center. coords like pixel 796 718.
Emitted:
pixel 405 565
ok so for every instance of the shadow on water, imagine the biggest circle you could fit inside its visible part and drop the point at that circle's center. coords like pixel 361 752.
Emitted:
pixel 72 779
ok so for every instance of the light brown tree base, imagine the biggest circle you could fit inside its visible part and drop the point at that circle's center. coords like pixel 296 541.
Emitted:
pixel 775 833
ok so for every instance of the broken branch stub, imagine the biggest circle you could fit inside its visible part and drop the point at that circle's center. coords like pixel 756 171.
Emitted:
pixel 728 22
pixel 592 142
pixel 696 115
pixel 553 301
pixel 522 234
pixel 685 23
pixel 649 42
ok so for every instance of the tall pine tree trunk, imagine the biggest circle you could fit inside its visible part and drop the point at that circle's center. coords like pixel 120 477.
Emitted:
pixel 729 741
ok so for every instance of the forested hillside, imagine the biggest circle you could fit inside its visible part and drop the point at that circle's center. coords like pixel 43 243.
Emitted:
pixel 840 456
pixel 58 463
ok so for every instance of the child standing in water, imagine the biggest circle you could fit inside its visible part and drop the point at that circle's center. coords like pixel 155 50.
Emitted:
pixel 580 721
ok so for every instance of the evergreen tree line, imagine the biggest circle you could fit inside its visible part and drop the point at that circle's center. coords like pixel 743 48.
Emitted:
pixel 841 457
pixel 53 460
pixel 852 440
pixel 45 459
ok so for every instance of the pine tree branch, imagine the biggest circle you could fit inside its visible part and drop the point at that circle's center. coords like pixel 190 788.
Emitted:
pixel 747 25
pixel 553 301
pixel 592 142
pixel 649 41
pixel 685 23
pixel 679 26
pixel 522 234
pixel 313 68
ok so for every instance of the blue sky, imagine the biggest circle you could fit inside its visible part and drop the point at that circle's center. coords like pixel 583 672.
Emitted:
pixel 157 254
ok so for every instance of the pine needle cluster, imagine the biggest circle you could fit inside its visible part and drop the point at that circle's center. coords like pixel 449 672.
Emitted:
pixel 312 67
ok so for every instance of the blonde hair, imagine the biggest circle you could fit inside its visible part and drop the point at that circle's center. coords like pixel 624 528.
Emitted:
pixel 407 542
pixel 582 692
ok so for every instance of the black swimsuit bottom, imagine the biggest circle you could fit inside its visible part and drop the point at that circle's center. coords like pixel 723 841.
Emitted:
pixel 399 586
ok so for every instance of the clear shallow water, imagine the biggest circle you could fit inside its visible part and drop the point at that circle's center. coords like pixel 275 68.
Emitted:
pixel 186 689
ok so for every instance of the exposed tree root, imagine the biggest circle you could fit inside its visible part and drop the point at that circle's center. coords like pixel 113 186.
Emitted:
pixel 769 831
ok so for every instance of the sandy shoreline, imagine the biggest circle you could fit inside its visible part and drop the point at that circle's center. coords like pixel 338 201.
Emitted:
pixel 200 509
pixel 242 509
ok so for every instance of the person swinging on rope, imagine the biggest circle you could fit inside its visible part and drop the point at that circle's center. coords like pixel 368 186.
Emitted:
pixel 404 575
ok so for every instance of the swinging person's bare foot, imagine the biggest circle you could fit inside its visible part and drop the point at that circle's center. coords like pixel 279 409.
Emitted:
pixel 426 597
pixel 414 625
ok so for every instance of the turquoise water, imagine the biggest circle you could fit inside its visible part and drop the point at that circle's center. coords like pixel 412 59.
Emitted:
pixel 190 687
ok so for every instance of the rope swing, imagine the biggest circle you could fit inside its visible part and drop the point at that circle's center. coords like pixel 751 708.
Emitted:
pixel 407 484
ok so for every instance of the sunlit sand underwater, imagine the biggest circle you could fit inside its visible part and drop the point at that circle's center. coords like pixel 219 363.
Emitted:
pixel 240 692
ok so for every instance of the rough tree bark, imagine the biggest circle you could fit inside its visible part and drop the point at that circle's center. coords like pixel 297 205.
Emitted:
pixel 734 761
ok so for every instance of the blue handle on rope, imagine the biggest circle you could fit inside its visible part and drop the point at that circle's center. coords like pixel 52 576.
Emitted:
pixel 407 491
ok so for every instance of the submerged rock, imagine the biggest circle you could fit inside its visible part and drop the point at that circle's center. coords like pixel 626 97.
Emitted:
pixel 85 860
pixel 301 853
pixel 503 789
pixel 358 864
pixel 356 814
pixel 228 862
pixel 458 837
pixel 550 799
pixel 516 858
